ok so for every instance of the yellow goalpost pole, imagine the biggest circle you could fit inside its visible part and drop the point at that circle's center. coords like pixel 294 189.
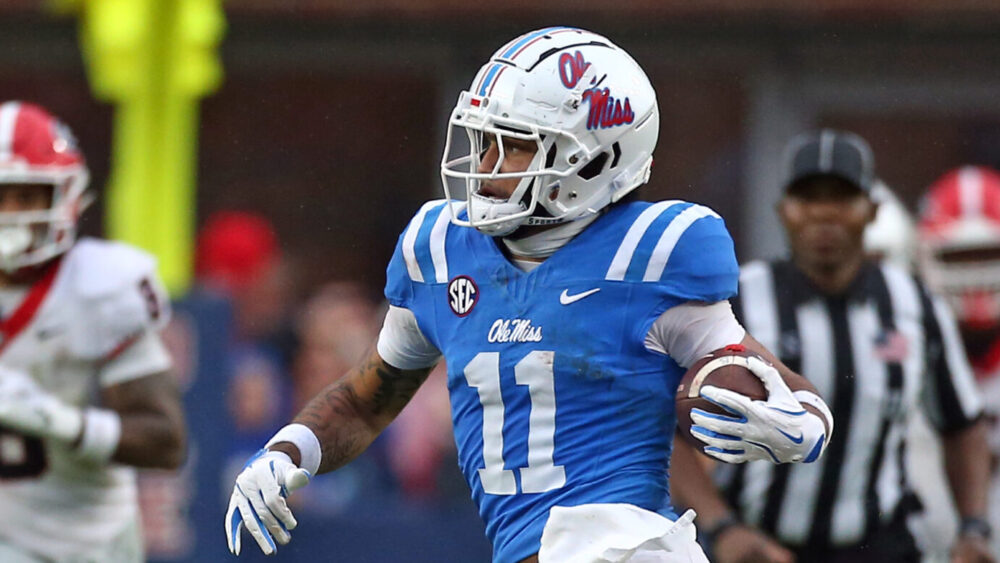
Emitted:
pixel 154 60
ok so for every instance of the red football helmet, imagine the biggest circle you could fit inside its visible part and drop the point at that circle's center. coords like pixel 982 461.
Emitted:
pixel 36 148
pixel 960 243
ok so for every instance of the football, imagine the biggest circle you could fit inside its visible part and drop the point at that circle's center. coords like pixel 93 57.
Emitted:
pixel 725 368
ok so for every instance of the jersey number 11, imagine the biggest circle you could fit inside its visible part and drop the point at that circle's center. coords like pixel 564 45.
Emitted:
pixel 535 372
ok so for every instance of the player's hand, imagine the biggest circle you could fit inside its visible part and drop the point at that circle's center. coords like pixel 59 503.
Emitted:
pixel 778 429
pixel 971 549
pixel 258 501
pixel 743 544
pixel 31 410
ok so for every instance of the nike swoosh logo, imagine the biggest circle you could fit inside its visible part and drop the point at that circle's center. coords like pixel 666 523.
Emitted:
pixel 797 440
pixel 565 298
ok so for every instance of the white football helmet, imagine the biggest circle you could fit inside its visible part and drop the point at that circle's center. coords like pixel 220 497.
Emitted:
pixel 584 102
pixel 892 236
pixel 36 148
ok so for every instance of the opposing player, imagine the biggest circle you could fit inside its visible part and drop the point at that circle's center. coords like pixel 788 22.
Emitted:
pixel 959 257
pixel 84 389
pixel 565 310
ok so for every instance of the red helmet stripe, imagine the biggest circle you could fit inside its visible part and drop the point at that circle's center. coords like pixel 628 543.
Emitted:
pixel 496 79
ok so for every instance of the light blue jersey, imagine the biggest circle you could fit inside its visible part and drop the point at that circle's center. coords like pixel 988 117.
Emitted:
pixel 554 398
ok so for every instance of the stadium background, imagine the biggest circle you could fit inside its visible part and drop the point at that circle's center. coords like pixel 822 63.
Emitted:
pixel 329 122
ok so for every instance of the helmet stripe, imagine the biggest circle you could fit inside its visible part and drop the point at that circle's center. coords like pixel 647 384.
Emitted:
pixel 489 77
pixel 970 186
pixel 496 80
pixel 516 47
pixel 8 119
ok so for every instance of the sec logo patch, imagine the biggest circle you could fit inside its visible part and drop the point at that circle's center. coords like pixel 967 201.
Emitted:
pixel 462 295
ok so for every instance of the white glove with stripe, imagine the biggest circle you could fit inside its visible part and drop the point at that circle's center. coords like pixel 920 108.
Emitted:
pixel 258 501
pixel 778 429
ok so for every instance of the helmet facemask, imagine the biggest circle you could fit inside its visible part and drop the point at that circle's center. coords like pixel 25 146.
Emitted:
pixel 969 279
pixel 33 237
pixel 539 182
pixel 37 150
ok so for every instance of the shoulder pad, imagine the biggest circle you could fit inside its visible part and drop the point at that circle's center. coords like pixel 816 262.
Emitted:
pixel 651 238
pixel 423 242
pixel 116 293
pixel 682 248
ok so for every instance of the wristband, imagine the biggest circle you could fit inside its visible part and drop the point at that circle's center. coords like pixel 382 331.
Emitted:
pixel 975 526
pixel 310 451
pixel 102 431
pixel 711 533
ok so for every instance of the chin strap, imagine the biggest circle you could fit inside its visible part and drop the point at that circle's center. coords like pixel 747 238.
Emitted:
pixel 546 242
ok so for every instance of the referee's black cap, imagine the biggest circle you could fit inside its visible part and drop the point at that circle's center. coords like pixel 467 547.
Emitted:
pixel 829 152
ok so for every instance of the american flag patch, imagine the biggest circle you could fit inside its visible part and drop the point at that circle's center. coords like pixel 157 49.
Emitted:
pixel 891 346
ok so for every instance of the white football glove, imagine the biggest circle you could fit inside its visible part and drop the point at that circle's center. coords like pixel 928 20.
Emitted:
pixel 258 501
pixel 778 429
pixel 31 410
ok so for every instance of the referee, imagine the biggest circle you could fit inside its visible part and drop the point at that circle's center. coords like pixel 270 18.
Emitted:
pixel 877 346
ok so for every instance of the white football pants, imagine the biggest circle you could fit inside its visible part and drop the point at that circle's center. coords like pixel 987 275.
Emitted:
pixel 618 533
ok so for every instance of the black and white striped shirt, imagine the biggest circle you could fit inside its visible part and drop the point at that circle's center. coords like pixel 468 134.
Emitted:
pixel 874 353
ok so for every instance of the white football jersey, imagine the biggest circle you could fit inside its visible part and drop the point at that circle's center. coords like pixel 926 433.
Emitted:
pixel 90 323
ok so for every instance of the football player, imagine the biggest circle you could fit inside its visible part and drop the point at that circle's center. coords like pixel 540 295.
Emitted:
pixel 959 257
pixel 84 385
pixel 566 311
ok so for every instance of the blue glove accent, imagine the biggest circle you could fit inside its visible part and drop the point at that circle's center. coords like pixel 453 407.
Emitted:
pixel 713 433
pixel 817 449
pixel 234 525
pixel 263 530
pixel 254 457
pixel 722 451
pixel 795 439
pixel 766 449
pixel 738 418
pixel 790 413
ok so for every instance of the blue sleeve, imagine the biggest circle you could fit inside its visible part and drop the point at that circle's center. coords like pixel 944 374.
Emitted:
pixel 703 267
pixel 398 285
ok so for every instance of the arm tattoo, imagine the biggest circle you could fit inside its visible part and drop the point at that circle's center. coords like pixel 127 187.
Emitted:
pixel 350 412
pixel 396 388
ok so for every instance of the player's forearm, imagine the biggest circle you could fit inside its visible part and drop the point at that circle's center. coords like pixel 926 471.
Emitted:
pixel 336 417
pixel 152 427
pixel 794 380
pixel 152 440
pixel 692 486
pixel 351 412
pixel 967 463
